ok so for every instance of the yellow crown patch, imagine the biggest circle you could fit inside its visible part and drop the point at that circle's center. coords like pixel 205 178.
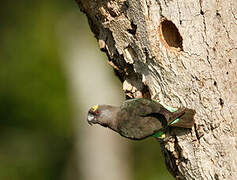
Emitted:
pixel 94 108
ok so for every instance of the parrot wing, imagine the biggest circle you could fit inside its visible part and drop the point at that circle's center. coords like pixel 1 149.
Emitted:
pixel 138 127
pixel 141 106
pixel 140 118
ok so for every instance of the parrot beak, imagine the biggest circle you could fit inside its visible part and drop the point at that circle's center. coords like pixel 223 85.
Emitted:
pixel 90 118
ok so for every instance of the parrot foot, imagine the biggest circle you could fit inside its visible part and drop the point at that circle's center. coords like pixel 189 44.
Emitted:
pixel 163 137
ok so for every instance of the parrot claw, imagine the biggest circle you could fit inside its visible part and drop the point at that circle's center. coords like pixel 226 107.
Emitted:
pixel 164 137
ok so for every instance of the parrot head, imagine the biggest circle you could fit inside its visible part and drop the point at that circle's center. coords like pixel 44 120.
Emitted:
pixel 93 115
pixel 102 114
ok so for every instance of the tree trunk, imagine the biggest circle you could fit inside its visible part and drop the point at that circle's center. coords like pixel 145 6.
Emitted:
pixel 180 53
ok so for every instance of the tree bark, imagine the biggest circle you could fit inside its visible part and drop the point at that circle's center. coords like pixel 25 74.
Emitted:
pixel 180 53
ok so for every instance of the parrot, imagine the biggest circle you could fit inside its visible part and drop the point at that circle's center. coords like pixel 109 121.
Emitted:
pixel 140 118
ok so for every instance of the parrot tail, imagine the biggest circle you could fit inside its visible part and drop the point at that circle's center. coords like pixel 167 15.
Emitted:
pixel 185 120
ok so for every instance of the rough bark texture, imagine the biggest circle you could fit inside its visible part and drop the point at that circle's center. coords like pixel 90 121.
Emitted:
pixel 181 53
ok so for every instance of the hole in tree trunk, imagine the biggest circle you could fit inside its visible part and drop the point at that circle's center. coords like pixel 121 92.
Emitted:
pixel 170 34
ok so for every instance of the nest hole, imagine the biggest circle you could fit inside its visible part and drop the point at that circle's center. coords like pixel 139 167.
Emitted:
pixel 171 34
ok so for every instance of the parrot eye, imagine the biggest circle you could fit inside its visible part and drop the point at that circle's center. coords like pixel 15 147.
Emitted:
pixel 97 112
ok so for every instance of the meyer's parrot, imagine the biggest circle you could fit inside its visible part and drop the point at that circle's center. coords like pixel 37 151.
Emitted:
pixel 140 118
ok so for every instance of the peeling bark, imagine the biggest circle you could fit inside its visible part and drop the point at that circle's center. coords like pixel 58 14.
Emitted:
pixel 180 53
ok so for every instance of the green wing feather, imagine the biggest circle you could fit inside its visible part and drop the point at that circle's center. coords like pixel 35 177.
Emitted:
pixel 161 133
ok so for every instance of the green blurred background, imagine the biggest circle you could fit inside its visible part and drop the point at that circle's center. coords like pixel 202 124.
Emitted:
pixel 37 106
